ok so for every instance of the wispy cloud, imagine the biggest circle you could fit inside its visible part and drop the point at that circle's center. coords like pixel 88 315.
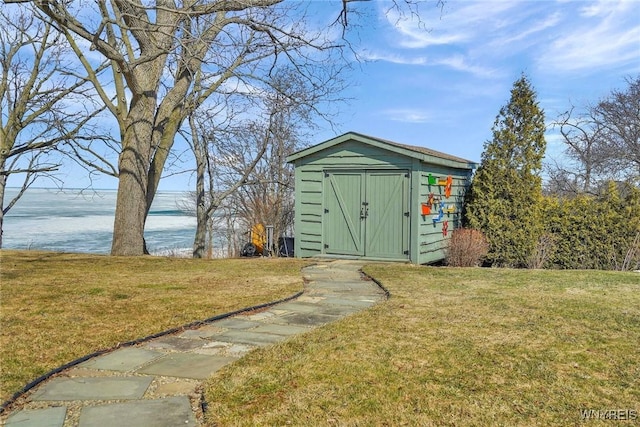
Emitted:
pixel 393 58
pixel 456 26
pixel 561 36
pixel 528 32
pixel 408 115
pixel 460 63
pixel 608 37
pixel 455 62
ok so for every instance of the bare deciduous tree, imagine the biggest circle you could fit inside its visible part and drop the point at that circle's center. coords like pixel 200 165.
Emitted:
pixel 619 117
pixel 581 136
pixel 244 162
pixel 223 166
pixel 601 144
pixel 45 107
pixel 156 49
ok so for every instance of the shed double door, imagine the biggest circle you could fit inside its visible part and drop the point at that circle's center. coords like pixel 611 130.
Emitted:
pixel 366 213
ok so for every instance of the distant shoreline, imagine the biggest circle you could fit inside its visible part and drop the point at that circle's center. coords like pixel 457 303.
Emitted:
pixel 88 189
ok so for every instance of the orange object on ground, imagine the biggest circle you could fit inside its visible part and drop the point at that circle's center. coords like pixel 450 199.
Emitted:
pixel 258 237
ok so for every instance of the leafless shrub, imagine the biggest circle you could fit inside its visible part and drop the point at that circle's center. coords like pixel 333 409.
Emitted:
pixel 632 256
pixel 544 249
pixel 467 248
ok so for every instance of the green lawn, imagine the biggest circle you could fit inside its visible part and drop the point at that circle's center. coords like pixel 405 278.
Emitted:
pixel 58 307
pixel 459 347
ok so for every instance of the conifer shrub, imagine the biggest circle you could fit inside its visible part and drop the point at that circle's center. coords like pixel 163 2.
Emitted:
pixel 467 248
pixel 505 197
pixel 594 232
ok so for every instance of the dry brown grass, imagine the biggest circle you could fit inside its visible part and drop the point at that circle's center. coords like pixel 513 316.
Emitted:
pixel 458 347
pixel 57 307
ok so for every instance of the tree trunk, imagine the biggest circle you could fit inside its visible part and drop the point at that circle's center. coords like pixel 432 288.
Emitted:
pixel 200 240
pixel 3 185
pixel 131 203
pixel 210 238
pixel 202 217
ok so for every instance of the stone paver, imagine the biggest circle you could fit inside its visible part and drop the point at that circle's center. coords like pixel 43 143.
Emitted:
pixel 187 365
pixel 89 388
pixel 299 307
pixel 174 343
pixel 250 337
pixel 237 323
pixel 116 389
pixel 169 412
pixel 273 328
pixel 308 319
pixel 124 359
pixel 48 417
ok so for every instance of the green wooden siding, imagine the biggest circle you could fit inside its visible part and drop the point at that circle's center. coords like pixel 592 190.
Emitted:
pixel 308 212
pixel 431 236
pixel 355 155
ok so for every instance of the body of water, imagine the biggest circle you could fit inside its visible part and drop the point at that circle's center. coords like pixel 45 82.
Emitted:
pixel 82 221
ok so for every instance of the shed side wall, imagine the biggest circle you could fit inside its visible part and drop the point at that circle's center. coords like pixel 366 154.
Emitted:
pixel 432 240
pixel 308 211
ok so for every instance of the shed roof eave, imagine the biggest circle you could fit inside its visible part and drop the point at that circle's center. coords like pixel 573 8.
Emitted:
pixel 423 154
pixel 469 165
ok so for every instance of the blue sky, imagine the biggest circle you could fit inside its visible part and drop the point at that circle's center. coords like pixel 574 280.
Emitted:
pixel 440 83
pixel 442 88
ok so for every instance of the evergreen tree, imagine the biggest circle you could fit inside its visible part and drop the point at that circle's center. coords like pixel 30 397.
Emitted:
pixel 505 197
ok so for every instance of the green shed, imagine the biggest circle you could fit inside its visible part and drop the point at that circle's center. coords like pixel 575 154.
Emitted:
pixel 357 196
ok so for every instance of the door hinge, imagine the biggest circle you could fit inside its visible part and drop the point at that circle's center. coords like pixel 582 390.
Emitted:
pixel 326 175
pixel 406 252
pixel 326 210
pixel 407 214
pixel 406 175
pixel 365 203
pixel 326 246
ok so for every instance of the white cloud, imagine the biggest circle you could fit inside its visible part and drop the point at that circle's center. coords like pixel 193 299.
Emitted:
pixel 561 36
pixel 457 26
pixel 393 58
pixel 460 63
pixel 526 33
pixel 595 8
pixel 455 62
pixel 420 38
pixel 607 37
pixel 408 115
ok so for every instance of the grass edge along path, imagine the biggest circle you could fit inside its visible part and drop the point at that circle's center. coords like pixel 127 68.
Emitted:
pixel 463 347
pixel 58 307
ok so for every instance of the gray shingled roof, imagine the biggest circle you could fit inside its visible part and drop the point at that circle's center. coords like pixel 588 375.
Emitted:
pixel 422 150
pixel 410 150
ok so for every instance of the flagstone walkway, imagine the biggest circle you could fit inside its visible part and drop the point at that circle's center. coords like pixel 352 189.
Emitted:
pixel 157 383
